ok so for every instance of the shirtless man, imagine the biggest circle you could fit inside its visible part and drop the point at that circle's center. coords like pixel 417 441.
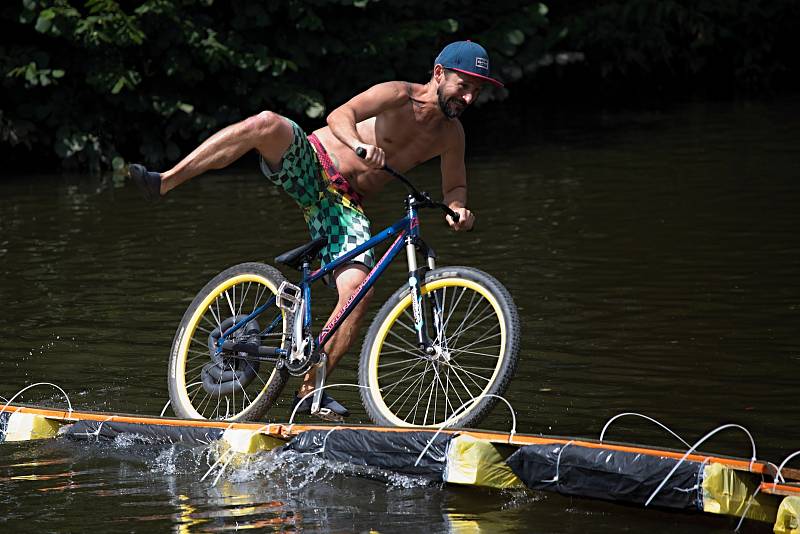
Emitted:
pixel 400 124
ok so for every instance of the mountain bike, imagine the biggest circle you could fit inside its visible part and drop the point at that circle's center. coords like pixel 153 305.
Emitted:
pixel 439 351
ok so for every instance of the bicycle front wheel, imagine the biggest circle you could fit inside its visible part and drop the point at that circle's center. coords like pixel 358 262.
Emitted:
pixel 474 329
pixel 206 385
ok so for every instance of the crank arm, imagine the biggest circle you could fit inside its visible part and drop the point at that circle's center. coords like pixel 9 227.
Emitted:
pixel 319 382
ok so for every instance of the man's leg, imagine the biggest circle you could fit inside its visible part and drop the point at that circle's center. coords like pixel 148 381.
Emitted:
pixel 348 278
pixel 267 132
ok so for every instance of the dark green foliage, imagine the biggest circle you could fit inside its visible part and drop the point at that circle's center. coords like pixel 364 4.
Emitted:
pixel 93 83
pixel 100 82
pixel 707 45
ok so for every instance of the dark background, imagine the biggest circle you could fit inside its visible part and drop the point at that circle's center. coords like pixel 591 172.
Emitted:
pixel 93 84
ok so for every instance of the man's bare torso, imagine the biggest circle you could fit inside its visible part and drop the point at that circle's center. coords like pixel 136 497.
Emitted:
pixel 409 135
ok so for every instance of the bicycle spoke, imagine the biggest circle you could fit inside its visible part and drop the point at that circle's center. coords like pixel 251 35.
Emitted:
pixel 196 367
pixel 415 349
pixel 244 298
pixel 397 371
pixel 260 292
pixel 454 307
pixel 420 396
pixel 455 390
pixel 420 377
pixel 404 325
pixel 412 377
pixel 479 340
pixel 476 321
pixel 470 375
pixel 463 385
pixel 404 340
pixel 475 367
pixel 217 316
pixel 464 327
pixel 483 347
pixel 455 352
pixel 219 398
pixel 430 394
pixel 398 362
pixel 385 353
pixel 203 329
pixel 436 381
pixel 204 354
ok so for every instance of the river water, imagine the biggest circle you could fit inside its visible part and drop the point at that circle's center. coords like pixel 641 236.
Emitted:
pixel 654 257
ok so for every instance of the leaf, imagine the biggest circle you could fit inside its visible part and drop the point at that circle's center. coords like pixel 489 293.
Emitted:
pixel 543 9
pixel 186 108
pixel 515 37
pixel 57 73
pixel 118 86
pixel 315 110
pixel 43 23
pixel 30 73
pixel 117 163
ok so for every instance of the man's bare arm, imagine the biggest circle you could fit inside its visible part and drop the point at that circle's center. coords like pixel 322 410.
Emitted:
pixel 342 120
pixel 454 181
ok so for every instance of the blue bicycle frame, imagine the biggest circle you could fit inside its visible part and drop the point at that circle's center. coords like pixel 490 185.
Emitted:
pixel 406 233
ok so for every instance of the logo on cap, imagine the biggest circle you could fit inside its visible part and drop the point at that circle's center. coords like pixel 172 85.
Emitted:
pixel 466 57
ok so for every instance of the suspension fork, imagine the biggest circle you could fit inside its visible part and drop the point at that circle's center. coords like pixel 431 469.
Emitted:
pixel 437 303
pixel 416 278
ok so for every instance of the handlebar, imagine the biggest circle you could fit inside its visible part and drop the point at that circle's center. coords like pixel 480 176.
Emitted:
pixel 423 198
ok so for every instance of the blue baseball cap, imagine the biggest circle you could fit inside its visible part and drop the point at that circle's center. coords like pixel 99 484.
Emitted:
pixel 467 57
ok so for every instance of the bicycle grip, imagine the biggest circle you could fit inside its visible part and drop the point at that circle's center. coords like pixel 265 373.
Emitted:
pixel 453 215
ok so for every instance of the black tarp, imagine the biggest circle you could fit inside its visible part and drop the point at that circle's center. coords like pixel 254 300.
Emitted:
pixel 608 474
pixel 392 451
pixel 109 430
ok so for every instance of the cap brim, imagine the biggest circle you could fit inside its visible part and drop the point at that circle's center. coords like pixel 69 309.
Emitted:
pixel 484 78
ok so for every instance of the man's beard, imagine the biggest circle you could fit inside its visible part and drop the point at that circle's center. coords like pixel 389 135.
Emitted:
pixel 452 107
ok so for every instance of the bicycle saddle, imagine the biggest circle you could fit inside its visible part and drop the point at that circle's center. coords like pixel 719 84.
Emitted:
pixel 294 258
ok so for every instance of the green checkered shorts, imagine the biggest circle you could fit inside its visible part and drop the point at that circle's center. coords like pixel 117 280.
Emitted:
pixel 328 211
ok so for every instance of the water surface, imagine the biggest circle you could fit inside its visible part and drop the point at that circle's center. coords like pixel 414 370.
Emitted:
pixel 654 257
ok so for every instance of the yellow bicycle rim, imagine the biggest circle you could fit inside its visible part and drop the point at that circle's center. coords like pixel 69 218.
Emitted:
pixel 182 348
pixel 394 314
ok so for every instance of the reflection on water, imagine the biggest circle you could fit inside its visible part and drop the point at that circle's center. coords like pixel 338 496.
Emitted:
pixel 653 256
pixel 138 488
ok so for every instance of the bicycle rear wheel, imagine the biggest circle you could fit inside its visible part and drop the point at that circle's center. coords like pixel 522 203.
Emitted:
pixel 474 328
pixel 207 385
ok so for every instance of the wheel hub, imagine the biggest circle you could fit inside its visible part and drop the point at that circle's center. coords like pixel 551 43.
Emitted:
pixel 438 354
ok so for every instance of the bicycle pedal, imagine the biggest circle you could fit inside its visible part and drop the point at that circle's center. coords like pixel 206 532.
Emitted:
pixel 288 297
pixel 329 415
